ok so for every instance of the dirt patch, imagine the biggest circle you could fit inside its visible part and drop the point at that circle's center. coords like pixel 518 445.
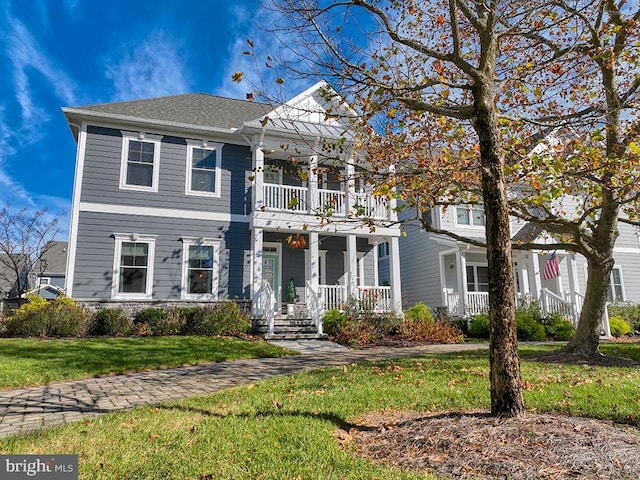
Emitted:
pixel 479 446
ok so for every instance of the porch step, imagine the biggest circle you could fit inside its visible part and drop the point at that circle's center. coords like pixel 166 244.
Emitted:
pixel 287 329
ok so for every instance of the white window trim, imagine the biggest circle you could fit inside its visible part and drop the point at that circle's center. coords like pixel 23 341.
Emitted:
pixel 208 242
pixel 42 281
pixel 612 290
pixel 470 209
pixel 115 281
pixel 140 137
pixel 205 145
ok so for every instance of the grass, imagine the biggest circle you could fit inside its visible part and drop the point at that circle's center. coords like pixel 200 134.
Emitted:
pixel 25 362
pixel 282 428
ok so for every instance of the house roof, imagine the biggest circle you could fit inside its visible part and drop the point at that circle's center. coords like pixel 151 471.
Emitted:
pixel 197 109
pixel 528 233
pixel 54 259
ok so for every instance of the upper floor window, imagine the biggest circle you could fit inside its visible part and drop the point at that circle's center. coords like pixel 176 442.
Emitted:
pixel 140 162
pixel 203 168
pixel 471 215
pixel 383 249
pixel 616 286
pixel 133 266
pixel 199 268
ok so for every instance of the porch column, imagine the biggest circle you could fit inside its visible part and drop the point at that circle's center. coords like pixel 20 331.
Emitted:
pixel 537 276
pixel 258 173
pixel 574 286
pixel 524 276
pixel 461 260
pixel 394 269
pixel 312 182
pixel 256 284
pixel 352 263
pixel 315 305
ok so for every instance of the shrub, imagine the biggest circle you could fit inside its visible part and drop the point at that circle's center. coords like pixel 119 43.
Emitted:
pixel 529 329
pixel 479 326
pixel 152 321
pixel 619 326
pixel 332 321
pixel 61 317
pixel 357 331
pixel 111 321
pixel 419 311
pixel 225 318
pixel 628 311
pixel 422 330
pixel 557 328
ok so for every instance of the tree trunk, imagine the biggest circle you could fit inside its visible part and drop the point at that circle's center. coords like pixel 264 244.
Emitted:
pixel 587 338
pixel 506 385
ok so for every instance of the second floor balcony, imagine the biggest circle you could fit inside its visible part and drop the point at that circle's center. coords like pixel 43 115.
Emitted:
pixel 322 202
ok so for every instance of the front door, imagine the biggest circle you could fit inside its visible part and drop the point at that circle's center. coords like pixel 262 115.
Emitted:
pixel 271 271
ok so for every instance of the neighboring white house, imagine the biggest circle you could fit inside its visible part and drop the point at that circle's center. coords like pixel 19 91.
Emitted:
pixel 443 272
pixel 195 198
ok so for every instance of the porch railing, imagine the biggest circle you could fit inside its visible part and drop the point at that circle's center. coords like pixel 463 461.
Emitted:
pixel 332 296
pixel 375 299
pixel 477 303
pixel 285 198
pixel 289 198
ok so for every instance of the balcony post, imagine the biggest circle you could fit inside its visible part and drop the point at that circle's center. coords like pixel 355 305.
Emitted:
pixel 351 186
pixel 258 175
pixel 313 185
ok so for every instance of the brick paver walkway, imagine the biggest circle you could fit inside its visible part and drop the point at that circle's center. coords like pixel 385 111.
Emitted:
pixel 28 409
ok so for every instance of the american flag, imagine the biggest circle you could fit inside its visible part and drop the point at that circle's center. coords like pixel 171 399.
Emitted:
pixel 551 268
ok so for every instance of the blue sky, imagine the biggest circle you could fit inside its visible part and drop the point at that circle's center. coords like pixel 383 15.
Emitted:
pixel 81 52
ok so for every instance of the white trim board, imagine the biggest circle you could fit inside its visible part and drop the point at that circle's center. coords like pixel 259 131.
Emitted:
pixel 162 212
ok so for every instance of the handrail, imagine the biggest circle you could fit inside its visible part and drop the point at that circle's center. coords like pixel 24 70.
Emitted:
pixel 268 305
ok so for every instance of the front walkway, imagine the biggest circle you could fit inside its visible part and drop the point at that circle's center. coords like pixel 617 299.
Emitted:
pixel 34 408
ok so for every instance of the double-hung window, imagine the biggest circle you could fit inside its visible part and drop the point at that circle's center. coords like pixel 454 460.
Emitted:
pixel 470 215
pixel 133 266
pixel 203 168
pixel 140 167
pixel 199 268
pixel 616 286
pixel 477 278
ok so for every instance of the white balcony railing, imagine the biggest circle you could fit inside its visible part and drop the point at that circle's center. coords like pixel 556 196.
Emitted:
pixel 286 198
pixel 332 296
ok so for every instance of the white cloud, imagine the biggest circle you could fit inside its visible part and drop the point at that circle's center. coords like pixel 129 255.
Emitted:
pixel 152 68
pixel 27 56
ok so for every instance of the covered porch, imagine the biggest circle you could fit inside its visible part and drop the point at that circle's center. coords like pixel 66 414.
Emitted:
pixel 300 276
pixel 465 278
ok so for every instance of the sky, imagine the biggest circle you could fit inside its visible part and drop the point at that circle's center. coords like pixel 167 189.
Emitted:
pixel 60 53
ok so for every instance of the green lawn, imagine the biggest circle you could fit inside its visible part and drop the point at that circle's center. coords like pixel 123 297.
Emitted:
pixel 282 428
pixel 32 362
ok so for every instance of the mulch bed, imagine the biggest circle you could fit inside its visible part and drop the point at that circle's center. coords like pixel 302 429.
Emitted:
pixel 478 446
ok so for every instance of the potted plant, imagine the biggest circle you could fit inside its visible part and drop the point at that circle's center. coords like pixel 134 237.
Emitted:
pixel 291 297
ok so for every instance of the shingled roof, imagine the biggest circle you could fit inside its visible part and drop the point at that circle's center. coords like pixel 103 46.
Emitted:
pixel 198 109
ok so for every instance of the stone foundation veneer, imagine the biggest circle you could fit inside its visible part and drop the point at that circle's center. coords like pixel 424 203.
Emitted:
pixel 131 308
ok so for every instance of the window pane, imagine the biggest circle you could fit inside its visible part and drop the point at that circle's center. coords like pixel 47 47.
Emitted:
pixel 200 281
pixel 478 216
pixel 140 174
pixel 134 254
pixel 133 280
pixel 483 279
pixel 140 151
pixel 463 216
pixel 204 158
pixel 200 256
pixel 203 180
pixel 471 279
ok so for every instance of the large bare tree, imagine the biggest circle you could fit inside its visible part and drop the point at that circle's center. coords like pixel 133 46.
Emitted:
pixel 25 237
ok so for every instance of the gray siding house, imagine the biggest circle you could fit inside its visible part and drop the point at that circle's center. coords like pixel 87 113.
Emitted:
pixel 197 198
